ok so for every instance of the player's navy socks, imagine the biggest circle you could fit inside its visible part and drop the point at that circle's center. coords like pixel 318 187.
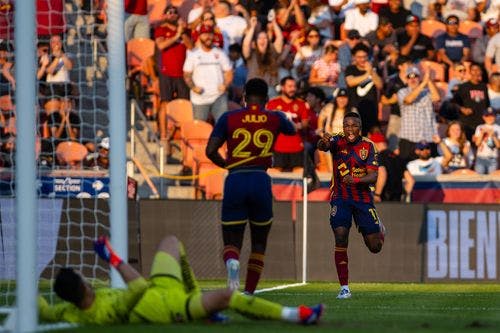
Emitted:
pixel 341 262
pixel 254 270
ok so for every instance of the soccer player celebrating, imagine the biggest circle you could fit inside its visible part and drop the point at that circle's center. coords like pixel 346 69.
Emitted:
pixel 354 171
pixel 250 134
pixel 85 305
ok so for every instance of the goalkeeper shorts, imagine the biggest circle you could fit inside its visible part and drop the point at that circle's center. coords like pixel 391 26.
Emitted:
pixel 166 300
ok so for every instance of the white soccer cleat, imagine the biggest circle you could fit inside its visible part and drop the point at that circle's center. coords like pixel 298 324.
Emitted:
pixel 233 274
pixel 344 294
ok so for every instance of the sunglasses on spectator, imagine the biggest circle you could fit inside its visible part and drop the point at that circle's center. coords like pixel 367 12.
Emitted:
pixel 411 76
pixel 210 18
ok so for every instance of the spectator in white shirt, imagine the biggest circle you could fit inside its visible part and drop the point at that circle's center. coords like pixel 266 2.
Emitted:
pixel 424 165
pixel 361 18
pixel 208 73
pixel 232 26
pixel 487 140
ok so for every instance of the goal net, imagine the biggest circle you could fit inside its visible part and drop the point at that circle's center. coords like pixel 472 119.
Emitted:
pixel 72 144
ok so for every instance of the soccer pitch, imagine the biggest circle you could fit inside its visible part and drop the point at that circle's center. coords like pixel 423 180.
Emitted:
pixel 374 307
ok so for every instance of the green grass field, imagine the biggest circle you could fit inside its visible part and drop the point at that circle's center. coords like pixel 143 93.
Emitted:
pixel 374 307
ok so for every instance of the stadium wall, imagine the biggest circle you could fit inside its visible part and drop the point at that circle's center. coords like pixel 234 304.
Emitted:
pixel 425 243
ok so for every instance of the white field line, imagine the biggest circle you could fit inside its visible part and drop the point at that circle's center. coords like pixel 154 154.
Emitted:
pixel 284 286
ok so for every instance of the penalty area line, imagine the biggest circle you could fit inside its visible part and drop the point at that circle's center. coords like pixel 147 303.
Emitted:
pixel 284 286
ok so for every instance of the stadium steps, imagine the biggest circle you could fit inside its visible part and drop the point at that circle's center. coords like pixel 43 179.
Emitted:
pixel 168 186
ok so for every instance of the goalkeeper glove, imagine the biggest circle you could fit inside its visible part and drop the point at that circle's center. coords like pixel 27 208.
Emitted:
pixel 106 252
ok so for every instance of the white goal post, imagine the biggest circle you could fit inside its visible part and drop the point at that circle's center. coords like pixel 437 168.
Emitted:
pixel 26 172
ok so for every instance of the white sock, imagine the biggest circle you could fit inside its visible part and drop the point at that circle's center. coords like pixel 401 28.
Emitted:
pixel 290 314
pixel 229 261
pixel 345 287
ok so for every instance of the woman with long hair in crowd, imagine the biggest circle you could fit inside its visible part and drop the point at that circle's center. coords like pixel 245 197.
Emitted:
pixel 262 55
pixel 456 149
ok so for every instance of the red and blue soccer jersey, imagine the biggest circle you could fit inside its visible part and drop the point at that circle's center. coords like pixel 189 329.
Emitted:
pixel 250 134
pixel 296 111
pixel 353 159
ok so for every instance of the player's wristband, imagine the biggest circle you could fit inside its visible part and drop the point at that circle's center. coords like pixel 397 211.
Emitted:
pixel 356 180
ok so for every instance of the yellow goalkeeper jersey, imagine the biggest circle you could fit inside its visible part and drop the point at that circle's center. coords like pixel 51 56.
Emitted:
pixel 110 306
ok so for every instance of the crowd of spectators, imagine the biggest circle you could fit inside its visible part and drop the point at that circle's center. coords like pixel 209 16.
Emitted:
pixel 418 77
pixel 427 88
pixel 58 119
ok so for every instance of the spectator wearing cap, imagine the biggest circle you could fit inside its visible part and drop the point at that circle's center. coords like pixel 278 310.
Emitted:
pixel 137 21
pixel 455 148
pixel 452 46
pixel 472 98
pixel 361 18
pixel 418 120
pixel 487 140
pixel 331 117
pixel 208 74
pixel 412 43
pixel 478 48
pixel 363 84
pixel 391 173
pixel 395 13
pixel 390 98
pixel 345 55
pixel 424 164
pixel 172 40
pixel 100 158
pixel 382 41
pixel 325 71
pixel 207 18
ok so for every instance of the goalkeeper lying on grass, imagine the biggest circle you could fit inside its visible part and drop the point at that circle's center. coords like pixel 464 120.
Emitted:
pixel 172 295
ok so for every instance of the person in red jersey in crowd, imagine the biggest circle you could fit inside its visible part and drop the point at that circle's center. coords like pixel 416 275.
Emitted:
pixel 355 169
pixel 172 40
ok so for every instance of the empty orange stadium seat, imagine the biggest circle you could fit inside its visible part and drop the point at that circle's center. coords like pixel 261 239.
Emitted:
pixel 471 29
pixel 71 153
pixel 432 28
pixel 194 136
pixel 138 50
pixel 437 69
pixel 443 89
pixel 179 111
pixel 155 10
